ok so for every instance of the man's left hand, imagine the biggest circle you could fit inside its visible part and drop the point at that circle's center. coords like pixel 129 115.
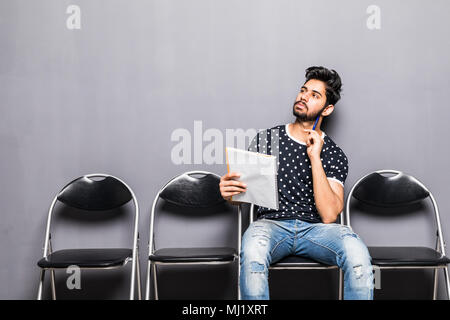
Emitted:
pixel 314 144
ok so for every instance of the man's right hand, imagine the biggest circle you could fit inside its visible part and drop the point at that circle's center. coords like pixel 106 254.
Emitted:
pixel 230 187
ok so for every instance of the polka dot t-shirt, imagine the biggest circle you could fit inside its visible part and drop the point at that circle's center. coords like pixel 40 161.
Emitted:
pixel 295 188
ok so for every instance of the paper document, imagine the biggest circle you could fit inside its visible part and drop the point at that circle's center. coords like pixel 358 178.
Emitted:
pixel 259 172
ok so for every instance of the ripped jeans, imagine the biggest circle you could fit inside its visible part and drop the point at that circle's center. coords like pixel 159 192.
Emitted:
pixel 268 241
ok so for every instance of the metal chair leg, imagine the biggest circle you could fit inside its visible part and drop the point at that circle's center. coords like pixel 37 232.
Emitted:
pixel 239 292
pixel 447 283
pixel 41 283
pixel 133 276
pixel 147 284
pixel 239 279
pixel 154 281
pixel 52 273
pixel 435 283
pixel 341 283
pixel 138 277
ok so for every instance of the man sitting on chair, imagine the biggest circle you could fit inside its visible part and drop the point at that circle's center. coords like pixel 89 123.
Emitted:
pixel 311 173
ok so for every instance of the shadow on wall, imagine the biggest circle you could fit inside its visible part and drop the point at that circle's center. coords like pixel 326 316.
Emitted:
pixel 405 284
pixel 323 285
pixel 188 282
pixel 94 285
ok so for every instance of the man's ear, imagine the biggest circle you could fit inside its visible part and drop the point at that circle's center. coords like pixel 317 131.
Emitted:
pixel 328 110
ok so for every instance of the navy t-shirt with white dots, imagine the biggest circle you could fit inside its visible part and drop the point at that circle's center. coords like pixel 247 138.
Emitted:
pixel 295 187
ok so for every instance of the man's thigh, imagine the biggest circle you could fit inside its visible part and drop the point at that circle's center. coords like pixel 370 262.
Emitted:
pixel 328 243
pixel 268 240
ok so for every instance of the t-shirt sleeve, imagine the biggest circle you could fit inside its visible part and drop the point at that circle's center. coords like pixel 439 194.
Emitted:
pixel 253 147
pixel 260 143
pixel 335 165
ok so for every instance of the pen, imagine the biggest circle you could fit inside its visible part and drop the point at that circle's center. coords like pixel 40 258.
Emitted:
pixel 315 123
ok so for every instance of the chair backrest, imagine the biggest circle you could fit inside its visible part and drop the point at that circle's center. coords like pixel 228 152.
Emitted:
pixel 193 189
pixel 94 192
pixel 391 189
pixel 90 194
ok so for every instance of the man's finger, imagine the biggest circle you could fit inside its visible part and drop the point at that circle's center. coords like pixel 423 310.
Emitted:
pixel 311 131
pixel 232 175
pixel 233 188
pixel 313 134
pixel 234 183
pixel 229 194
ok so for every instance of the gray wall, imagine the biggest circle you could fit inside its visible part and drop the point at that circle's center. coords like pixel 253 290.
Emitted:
pixel 107 97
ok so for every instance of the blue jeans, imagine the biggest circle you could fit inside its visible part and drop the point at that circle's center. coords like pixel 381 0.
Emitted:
pixel 268 241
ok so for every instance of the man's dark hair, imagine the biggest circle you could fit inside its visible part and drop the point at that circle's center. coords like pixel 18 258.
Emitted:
pixel 330 78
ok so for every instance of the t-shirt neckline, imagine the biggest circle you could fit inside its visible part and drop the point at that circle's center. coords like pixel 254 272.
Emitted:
pixel 298 141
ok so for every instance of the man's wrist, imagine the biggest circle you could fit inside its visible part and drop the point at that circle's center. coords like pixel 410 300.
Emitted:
pixel 315 159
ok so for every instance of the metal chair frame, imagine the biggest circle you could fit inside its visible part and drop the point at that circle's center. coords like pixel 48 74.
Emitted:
pixel 151 265
pixel 440 244
pixel 135 271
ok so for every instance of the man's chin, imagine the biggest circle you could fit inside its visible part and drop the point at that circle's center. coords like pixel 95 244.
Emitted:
pixel 303 118
pixel 300 116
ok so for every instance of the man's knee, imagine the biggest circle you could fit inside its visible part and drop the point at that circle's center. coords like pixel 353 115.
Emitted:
pixel 355 256
pixel 352 248
pixel 255 254
pixel 255 250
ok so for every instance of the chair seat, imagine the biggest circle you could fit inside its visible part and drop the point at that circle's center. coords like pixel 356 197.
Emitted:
pixel 406 256
pixel 186 255
pixel 86 258
pixel 298 261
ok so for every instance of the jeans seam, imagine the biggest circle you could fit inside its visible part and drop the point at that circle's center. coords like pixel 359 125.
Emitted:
pixel 278 243
pixel 336 254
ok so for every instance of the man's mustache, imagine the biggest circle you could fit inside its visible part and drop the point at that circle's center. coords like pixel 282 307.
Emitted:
pixel 302 103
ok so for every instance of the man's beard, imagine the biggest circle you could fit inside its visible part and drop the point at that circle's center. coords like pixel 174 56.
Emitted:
pixel 305 117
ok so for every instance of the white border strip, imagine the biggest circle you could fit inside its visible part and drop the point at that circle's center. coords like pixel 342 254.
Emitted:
pixel 330 178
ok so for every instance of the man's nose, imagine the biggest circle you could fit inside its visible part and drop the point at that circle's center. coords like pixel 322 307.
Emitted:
pixel 304 97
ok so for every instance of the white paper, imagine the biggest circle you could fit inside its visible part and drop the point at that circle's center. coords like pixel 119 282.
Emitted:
pixel 259 172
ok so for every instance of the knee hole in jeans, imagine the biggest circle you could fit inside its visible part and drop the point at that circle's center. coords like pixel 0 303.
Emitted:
pixel 257 267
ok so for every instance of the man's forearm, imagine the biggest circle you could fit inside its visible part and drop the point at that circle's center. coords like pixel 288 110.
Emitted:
pixel 327 202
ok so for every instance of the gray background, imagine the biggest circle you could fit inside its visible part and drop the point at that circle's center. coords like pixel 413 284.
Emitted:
pixel 106 98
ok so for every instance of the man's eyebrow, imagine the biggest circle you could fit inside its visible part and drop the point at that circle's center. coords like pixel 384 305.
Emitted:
pixel 303 87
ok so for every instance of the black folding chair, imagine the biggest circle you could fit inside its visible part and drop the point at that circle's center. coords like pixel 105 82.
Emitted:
pixel 401 190
pixel 87 193
pixel 188 192
pixel 297 262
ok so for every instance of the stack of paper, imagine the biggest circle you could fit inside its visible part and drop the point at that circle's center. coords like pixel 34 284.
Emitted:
pixel 259 172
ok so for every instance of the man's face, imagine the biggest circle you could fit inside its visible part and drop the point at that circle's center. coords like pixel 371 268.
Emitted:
pixel 310 101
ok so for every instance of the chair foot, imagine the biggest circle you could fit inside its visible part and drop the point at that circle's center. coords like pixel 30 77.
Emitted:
pixel 155 281
pixel 447 283
pixel 41 283
pixel 138 278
